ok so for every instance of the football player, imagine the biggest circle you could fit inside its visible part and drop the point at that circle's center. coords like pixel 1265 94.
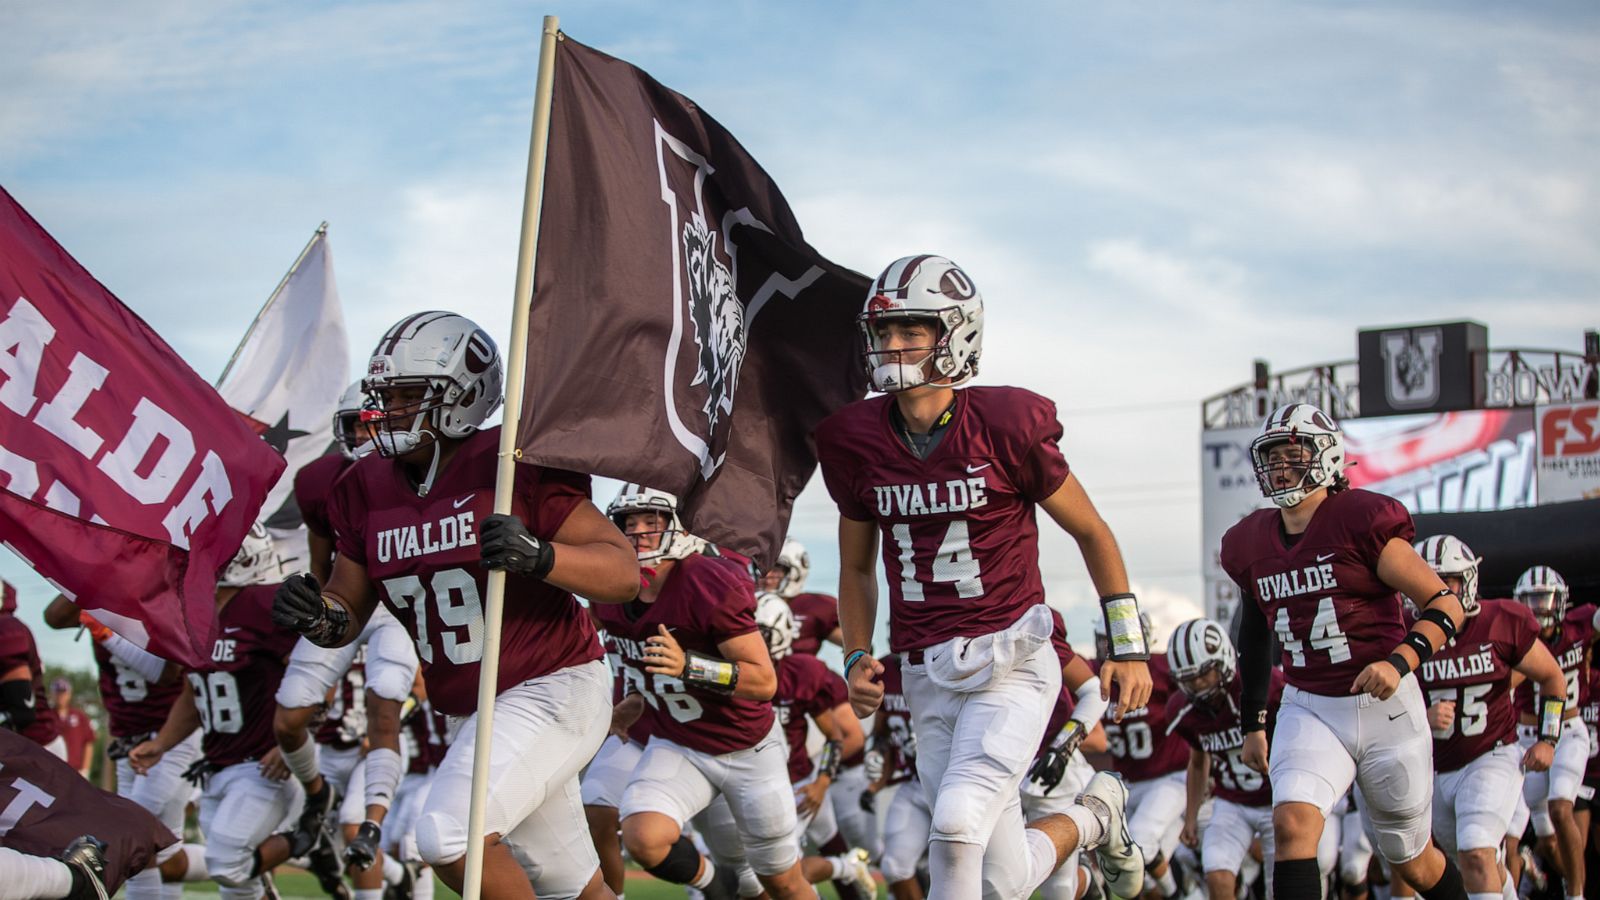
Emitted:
pixel 807 689
pixel 138 689
pixel 908 821
pixel 1322 570
pixel 415 530
pixel 1059 770
pixel 689 645
pixel 65 839
pixel 387 668
pixel 1550 794
pixel 1151 764
pixel 24 707
pixel 247 789
pixel 1476 759
pixel 1204 716
pixel 949 480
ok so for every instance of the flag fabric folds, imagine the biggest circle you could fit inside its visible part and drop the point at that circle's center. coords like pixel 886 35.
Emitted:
pixel 683 334
pixel 124 478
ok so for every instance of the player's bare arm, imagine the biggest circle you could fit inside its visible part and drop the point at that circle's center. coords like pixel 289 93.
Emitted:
pixel 181 722
pixel 751 677
pixel 593 559
pixel 1195 787
pixel 1071 509
pixel 625 713
pixel 858 612
pixel 1540 666
pixel 1401 568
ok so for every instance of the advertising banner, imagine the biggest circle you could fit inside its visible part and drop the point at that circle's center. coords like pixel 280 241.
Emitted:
pixel 1569 451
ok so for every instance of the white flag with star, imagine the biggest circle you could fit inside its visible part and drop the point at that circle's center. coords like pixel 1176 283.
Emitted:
pixel 288 373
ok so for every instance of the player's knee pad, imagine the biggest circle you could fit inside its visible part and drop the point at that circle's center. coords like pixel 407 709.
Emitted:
pixel 1479 831
pixel 441 838
pixel 680 865
pixel 230 866
pixel 771 855
pixel 391 680
pixel 960 813
pixel 300 689
pixel 749 884
pixel 899 863
pixel 1401 840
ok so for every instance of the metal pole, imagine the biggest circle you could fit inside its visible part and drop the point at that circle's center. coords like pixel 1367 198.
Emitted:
pixel 322 231
pixel 516 372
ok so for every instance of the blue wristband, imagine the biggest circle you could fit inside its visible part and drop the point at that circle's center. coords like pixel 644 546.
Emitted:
pixel 851 660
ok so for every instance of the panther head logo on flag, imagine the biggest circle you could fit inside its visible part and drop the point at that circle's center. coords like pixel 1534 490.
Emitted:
pixel 718 319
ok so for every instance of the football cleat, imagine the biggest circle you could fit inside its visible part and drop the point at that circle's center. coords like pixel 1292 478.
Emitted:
pixel 269 887
pixel 324 864
pixel 857 869
pixel 362 851
pixel 1121 861
pixel 86 857
pixel 318 809
pixel 406 887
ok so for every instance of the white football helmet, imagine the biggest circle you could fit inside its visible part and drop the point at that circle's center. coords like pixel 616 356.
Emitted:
pixel 1102 641
pixel 796 565
pixel 1448 555
pixel 449 355
pixel 923 287
pixel 1199 646
pixel 351 438
pixel 1544 591
pixel 256 562
pixel 777 624
pixel 1297 423
pixel 674 543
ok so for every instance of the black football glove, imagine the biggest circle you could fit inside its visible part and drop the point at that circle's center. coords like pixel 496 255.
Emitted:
pixel 1048 770
pixel 298 606
pixel 504 543
pixel 868 801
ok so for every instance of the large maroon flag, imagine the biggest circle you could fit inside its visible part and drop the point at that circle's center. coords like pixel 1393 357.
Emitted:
pixel 684 335
pixel 124 478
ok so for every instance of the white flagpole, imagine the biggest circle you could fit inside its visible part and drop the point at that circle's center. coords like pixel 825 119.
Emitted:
pixel 516 371
pixel 321 232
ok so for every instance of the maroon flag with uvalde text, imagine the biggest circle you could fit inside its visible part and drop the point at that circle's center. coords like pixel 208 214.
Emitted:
pixel 124 478
pixel 683 335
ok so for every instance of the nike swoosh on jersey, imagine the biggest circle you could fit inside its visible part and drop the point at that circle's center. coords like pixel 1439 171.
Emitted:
pixel 1324 557
pixel 231 630
pixel 462 502
pixel 971 469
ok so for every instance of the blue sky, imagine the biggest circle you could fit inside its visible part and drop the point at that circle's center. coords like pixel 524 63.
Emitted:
pixel 1149 195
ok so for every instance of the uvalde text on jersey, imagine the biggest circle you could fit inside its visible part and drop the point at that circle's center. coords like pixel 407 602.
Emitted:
pixel 932 499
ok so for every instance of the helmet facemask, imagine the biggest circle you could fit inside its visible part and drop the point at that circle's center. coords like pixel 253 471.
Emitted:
pixel 776 623
pixel 1312 466
pixel 386 411
pixel 901 369
pixel 1549 606
pixel 672 540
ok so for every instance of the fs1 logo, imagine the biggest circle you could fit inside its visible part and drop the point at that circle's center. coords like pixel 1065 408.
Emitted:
pixel 1569 430
pixel 1411 366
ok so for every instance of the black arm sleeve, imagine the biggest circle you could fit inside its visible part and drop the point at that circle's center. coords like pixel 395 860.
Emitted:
pixel 16 704
pixel 1255 666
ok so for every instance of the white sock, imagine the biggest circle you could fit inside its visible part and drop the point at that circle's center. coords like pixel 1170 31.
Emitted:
pixel 1042 860
pixel 303 761
pixel 146 885
pixel 172 890
pixel 708 871
pixel 197 863
pixel 1509 888
pixel 369 893
pixel 839 868
pixel 1487 895
pixel 1167 883
pixel 393 871
pixel 424 888
pixel 383 769
pixel 1091 829
pixel 1574 897
pixel 956 870
pixel 31 877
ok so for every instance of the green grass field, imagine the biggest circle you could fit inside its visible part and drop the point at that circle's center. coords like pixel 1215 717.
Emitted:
pixel 296 885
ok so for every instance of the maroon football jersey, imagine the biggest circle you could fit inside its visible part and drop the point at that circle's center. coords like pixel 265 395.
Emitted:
pixel 960 545
pixel 134 706
pixel 639 731
pixel 1474 672
pixel 234 691
pixel 1591 718
pixel 344 723
pixel 901 754
pixel 806 687
pixel 46 804
pixel 705 601
pixel 816 616
pixel 1570 647
pixel 313 488
pixel 422 554
pixel 1138 744
pixel 1216 731
pixel 18 649
pixel 1322 596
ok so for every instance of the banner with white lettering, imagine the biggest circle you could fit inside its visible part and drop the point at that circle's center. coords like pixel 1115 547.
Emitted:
pixel 1228 493
pixel 124 478
pixel 1569 451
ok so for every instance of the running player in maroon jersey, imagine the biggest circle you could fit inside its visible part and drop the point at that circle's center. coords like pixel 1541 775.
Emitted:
pixel 1322 570
pixel 415 530
pixel 816 615
pixel 389 667
pixel 138 689
pixel 950 480
pixel 61 838
pixel 1476 759
pixel 23 705
pixel 1550 795
pixel 1152 765
pixel 809 690
pixel 1204 716
pixel 689 645
pixel 247 791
